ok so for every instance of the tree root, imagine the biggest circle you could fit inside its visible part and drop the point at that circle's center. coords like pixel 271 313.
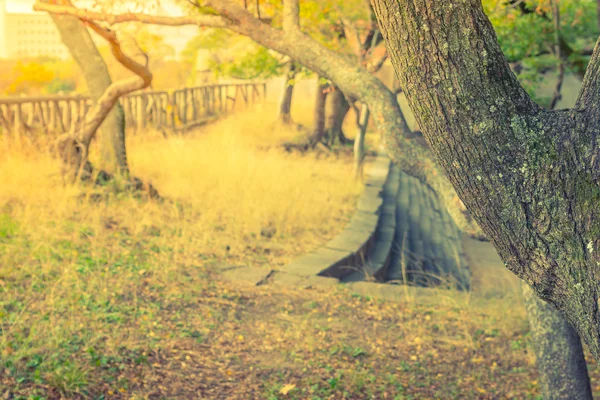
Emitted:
pixel 76 167
pixel 132 185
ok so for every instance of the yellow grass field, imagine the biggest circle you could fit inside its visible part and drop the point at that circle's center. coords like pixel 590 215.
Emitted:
pixel 118 298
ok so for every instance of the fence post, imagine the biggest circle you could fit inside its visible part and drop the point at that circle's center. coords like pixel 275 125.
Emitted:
pixel 264 92
pixel 52 116
pixel 18 126
pixel 142 109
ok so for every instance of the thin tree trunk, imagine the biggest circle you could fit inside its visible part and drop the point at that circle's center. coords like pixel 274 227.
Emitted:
pixel 598 12
pixel 111 135
pixel 559 57
pixel 320 102
pixel 558 351
pixel 285 108
pixel 338 108
pixel 359 142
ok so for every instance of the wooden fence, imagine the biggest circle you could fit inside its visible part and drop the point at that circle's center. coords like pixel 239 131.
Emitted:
pixel 177 110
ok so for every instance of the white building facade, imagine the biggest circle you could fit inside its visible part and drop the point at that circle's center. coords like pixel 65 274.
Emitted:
pixel 26 33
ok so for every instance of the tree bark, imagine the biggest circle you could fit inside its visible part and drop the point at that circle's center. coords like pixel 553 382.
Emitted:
pixel 558 351
pixel 111 135
pixel 559 354
pixel 359 142
pixel 338 108
pixel 285 108
pixel 319 113
pixel 529 176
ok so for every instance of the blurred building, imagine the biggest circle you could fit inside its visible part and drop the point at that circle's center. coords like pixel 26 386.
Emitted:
pixel 26 33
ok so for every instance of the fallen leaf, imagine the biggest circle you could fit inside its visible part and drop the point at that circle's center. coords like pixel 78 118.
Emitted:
pixel 287 388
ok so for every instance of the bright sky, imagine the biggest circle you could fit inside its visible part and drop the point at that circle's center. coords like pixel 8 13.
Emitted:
pixel 167 7
pixel 174 36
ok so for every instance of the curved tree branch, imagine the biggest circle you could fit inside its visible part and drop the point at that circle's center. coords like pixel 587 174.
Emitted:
pixel 89 15
pixel 110 97
pixel 74 147
pixel 378 64
pixel 355 81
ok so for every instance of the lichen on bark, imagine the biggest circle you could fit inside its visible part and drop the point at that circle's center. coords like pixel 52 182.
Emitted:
pixel 529 176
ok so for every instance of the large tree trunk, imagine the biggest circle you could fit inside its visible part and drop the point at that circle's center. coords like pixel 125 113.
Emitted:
pixel 338 108
pixel 319 113
pixel 285 107
pixel 529 176
pixel 111 135
pixel 558 351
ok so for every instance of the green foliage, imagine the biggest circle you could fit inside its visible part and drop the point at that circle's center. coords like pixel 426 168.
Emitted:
pixel 321 20
pixel 61 86
pixel 526 35
pixel 244 59
pixel 8 227
pixel 253 65
pixel 150 43
pixel 212 39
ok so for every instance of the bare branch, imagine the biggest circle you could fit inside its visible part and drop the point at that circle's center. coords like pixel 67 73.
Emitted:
pixel 372 17
pixel 111 19
pixel 590 92
pixel 372 38
pixel 140 51
pixel 83 134
pixel 377 65
pixel 115 90
pixel 291 15
pixel 598 11
pixel 557 50
pixel 350 31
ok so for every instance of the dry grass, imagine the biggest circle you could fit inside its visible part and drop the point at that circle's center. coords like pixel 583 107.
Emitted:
pixel 119 298
pixel 71 268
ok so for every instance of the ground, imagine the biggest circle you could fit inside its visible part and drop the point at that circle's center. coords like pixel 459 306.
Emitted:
pixel 118 297
pixel 218 341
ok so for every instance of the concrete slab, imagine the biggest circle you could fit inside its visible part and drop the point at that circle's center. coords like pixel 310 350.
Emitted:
pixel 395 293
pixel 283 279
pixel 363 221
pixel 350 240
pixel 247 275
pixel 370 201
pixel 317 262
pixel 320 281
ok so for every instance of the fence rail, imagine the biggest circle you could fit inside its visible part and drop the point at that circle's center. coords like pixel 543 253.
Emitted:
pixel 177 110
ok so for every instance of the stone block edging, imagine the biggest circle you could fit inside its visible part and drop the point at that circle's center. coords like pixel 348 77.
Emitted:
pixel 341 256
pixel 348 251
